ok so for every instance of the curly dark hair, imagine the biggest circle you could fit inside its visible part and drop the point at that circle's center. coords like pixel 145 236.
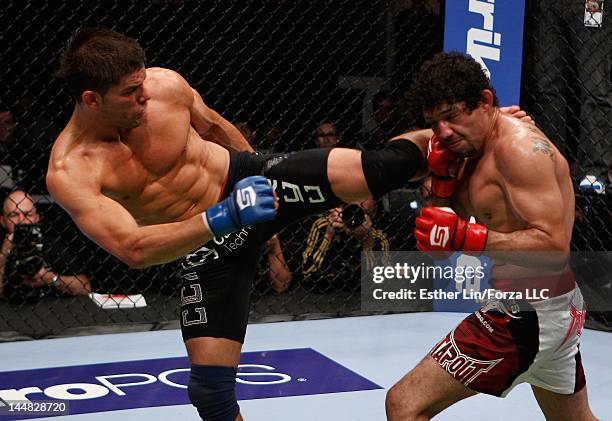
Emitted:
pixel 449 78
pixel 97 58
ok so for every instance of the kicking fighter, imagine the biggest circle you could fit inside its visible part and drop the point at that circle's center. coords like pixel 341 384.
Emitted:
pixel 144 170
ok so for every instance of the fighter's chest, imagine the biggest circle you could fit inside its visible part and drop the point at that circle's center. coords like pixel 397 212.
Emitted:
pixel 146 161
pixel 480 193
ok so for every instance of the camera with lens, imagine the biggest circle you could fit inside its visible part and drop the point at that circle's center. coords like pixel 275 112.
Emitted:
pixel 27 254
pixel 352 215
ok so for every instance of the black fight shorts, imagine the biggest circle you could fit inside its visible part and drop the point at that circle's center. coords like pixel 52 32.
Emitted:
pixel 217 278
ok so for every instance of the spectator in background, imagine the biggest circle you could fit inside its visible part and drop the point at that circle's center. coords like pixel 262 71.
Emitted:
pixel 272 140
pixel 246 129
pixel 9 158
pixel 33 264
pixel 389 122
pixel 7 123
pixel 277 273
pixel 332 255
pixel 326 135
pixel 274 274
pixel 25 145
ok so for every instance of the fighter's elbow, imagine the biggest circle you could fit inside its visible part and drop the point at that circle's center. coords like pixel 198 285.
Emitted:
pixel 134 255
pixel 136 259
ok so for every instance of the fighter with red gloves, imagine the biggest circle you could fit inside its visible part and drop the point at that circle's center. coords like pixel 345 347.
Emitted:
pixel 439 228
pixel 517 185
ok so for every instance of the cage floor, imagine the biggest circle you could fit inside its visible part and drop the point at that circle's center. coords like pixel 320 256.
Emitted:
pixel 336 369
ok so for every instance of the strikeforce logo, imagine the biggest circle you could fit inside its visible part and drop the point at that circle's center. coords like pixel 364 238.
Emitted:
pixel 439 236
pixel 460 366
pixel 246 197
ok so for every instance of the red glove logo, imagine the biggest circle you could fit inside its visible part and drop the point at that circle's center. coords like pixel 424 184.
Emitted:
pixel 439 236
pixel 440 229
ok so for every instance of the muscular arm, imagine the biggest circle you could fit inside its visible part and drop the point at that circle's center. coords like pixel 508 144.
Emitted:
pixel 534 195
pixel 209 124
pixel 113 228
pixel 212 126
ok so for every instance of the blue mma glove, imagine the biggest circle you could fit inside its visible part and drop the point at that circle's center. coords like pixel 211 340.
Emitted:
pixel 251 202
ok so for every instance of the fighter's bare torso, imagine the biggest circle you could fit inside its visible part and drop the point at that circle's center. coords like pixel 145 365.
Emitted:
pixel 160 171
pixel 487 192
pixel 482 188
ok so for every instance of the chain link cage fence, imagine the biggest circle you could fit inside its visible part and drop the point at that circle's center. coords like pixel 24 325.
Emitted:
pixel 291 76
pixel 567 88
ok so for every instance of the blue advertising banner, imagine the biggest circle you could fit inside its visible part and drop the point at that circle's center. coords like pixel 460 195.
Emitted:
pixel 162 382
pixel 492 32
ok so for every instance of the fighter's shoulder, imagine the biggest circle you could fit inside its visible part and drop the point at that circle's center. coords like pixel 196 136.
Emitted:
pixel 166 82
pixel 524 144
pixel 71 161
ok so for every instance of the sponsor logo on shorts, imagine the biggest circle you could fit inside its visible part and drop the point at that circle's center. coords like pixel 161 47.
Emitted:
pixel 576 324
pixel 439 236
pixel 296 193
pixel 460 366
pixel 509 307
pixel 484 322
pixel 192 316
pixel 273 162
pixel 207 253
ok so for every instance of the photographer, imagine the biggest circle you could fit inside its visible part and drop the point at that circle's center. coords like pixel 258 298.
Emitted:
pixel 331 259
pixel 27 264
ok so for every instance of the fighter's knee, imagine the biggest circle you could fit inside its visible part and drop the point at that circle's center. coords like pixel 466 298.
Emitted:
pixel 212 390
pixel 392 401
pixel 400 407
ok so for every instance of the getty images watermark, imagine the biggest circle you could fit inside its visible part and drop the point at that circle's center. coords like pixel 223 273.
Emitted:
pixel 413 281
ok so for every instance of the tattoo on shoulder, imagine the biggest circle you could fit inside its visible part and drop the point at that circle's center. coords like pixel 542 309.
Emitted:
pixel 543 146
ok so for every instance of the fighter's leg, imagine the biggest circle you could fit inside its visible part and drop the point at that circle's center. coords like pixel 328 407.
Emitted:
pixel 558 407
pixel 214 314
pixel 558 381
pixel 346 176
pixel 356 175
pixel 313 181
pixel 212 381
pixel 425 391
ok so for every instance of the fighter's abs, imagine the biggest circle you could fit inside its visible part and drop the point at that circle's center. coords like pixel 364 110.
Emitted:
pixel 191 182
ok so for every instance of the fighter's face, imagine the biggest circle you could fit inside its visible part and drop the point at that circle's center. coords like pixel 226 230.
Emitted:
pixel 124 104
pixel 460 130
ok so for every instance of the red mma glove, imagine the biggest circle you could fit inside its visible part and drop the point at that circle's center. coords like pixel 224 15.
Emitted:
pixel 440 229
pixel 440 158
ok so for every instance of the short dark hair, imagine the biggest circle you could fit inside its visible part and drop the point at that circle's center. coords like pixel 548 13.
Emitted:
pixel 97 58
pixel 450 78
